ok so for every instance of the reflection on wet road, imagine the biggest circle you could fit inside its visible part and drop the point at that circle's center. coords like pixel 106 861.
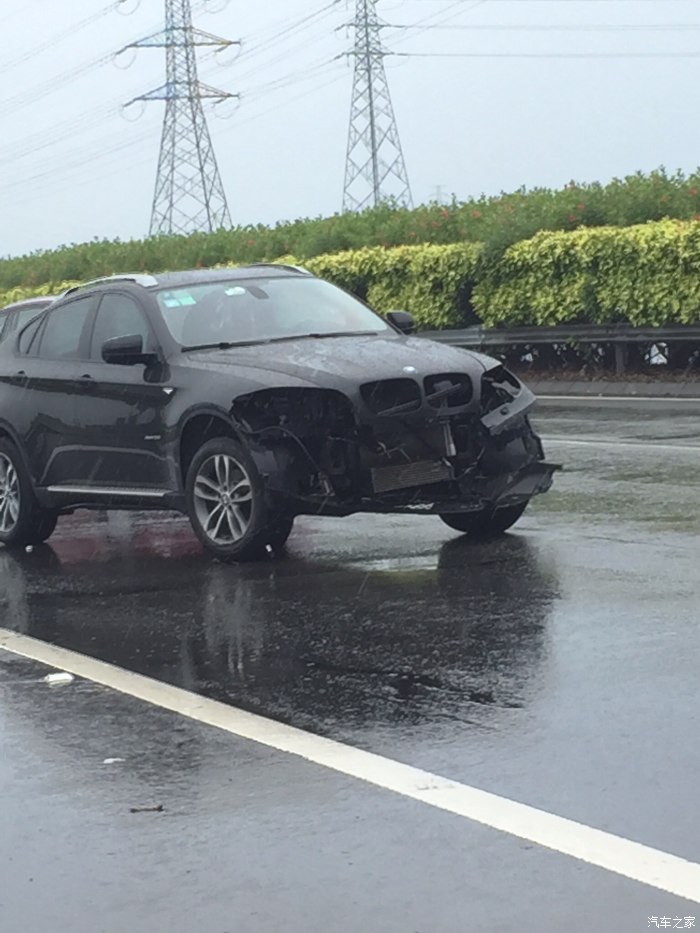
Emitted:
pixel 310 641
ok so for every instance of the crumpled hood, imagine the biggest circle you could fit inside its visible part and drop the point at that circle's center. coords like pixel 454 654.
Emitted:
pixel 329 362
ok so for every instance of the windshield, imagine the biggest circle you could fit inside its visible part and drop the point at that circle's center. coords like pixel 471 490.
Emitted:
pixel 257 310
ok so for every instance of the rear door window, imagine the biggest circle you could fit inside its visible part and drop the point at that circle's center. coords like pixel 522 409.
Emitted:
pixel 62 335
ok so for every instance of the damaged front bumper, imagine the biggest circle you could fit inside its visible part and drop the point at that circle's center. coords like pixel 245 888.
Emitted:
pixel 394 449
pixel 531 480
pixel 480 493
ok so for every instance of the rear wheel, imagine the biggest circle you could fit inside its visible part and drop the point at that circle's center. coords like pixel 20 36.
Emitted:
pixel 227 504
pixel 22 520
pixel 488 523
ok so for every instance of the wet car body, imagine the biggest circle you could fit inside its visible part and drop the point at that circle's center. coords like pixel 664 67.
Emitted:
pixel 334 424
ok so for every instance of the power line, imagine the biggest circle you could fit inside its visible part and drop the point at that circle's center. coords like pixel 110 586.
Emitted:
pixel 288 50
pixel 560 2
pixel 104 148
pixel 70 31
pixel 457 7
pixel 56 82
pixel 290 27
pixel 546 54
pixel 50 85
pixel 107 155
pixel 54 134
pixel 51 136
pixel 309 72
pixel 547 27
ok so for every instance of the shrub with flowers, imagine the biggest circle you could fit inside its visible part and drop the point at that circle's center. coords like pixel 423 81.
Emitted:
pixel 498 222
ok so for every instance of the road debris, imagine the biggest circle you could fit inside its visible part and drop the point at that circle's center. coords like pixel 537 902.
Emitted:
pixel 59 679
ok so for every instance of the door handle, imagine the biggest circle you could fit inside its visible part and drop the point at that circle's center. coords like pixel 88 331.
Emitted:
pixel 86 381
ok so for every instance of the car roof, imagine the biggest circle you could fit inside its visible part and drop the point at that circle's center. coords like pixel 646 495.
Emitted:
pixel 194 277
pixel 202 276
pixel 27 303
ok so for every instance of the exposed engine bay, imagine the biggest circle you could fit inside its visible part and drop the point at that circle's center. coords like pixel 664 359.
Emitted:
pixel 435 444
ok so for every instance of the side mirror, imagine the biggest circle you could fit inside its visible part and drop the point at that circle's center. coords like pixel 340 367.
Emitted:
pixel 126 351
pixel 402 321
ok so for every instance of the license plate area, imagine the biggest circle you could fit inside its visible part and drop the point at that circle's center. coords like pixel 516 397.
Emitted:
pixel 407 475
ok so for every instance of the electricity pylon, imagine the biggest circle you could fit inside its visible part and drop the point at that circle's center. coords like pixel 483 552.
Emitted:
pixel 375 170
pixel 189 195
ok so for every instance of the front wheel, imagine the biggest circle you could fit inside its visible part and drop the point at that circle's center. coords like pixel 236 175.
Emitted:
pixel 227 505
pixel 22 520
pixel 488 523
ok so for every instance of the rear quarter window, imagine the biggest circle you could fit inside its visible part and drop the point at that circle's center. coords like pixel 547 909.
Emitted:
pixel 25 315
pixel 28 342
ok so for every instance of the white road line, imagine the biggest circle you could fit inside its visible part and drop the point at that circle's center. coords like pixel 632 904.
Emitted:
pixel 613 853
pixel 668 399
pixel 641 445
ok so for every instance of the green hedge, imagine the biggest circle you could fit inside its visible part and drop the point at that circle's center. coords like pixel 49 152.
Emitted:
pixel 434 283
pixel 21 292
pixel 497 222
pixel 647 274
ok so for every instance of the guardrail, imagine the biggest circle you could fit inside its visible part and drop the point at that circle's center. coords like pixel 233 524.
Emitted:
pixel 572 333
pixel 620 338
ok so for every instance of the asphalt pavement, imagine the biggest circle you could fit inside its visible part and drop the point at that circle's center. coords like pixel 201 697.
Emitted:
pixel 556 667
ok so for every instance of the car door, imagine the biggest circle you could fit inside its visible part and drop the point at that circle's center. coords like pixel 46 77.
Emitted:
pixel 50 364
pixel 123 407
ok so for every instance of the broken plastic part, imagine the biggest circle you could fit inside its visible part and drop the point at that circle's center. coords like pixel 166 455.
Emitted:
pixel 56 680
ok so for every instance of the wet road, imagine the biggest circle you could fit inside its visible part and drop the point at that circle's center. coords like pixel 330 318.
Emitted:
pixel 556 667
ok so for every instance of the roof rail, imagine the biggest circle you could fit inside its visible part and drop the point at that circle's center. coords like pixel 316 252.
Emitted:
pixel 138 278
pixel 279 265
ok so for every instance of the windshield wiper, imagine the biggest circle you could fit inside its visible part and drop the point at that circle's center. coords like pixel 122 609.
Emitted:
pixel 224 345
pixel 230 344
pixel 337 333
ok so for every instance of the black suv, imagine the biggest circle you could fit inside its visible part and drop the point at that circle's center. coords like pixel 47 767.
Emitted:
pixel 246 397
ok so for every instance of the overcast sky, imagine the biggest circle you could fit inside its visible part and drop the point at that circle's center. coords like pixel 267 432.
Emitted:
pixel 72 168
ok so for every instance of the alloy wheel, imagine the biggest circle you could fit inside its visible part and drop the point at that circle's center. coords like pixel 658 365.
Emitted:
pixel 223 499
pixel 9 494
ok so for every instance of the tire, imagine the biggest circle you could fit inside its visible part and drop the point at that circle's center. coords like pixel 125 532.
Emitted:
pixel 489 523
pixel 227 505
pixel 22 520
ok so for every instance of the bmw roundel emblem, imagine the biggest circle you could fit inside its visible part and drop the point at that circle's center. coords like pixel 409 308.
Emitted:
pixel 410 369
